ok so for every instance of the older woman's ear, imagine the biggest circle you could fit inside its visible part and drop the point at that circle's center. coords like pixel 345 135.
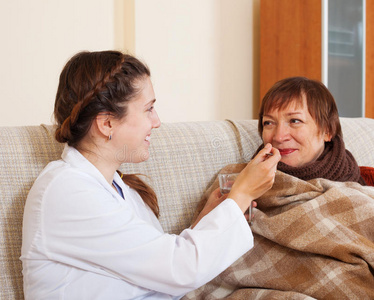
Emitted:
pixel 327 137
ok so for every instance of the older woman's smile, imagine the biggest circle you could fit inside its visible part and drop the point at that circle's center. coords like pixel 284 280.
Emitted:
pixel 286 151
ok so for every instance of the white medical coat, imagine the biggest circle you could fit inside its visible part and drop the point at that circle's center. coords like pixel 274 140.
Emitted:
pixel 82 240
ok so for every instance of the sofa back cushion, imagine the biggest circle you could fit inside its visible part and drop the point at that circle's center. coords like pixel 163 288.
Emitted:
pixel 24 151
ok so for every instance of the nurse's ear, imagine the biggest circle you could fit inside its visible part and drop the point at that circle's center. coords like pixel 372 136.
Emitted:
pixel 103 123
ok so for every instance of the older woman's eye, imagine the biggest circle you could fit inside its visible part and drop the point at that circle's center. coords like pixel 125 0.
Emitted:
pixel 266 123
pixel 296 121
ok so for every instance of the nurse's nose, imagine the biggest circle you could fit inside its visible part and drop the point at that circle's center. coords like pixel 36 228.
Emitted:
pixel 155 120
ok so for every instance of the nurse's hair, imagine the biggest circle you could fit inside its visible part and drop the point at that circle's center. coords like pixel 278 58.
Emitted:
pixel 320 102
pixel 93 83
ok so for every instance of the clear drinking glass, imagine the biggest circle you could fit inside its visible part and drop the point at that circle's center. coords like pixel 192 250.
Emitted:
pixel 225 183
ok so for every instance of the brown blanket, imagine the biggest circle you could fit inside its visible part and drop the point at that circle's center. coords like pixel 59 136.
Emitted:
pixel 313 240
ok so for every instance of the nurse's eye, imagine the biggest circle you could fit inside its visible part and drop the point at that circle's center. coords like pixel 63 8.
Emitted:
pixel 150 109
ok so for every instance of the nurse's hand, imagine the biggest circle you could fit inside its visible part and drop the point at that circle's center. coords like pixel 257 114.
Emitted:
pixel 256 178
pixel 214 199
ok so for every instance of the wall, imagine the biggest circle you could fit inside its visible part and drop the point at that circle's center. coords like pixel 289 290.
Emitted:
pixel 38 38
pixel 201 53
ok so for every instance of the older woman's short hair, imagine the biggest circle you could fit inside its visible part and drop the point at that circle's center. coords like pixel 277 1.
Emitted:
pixel 320 102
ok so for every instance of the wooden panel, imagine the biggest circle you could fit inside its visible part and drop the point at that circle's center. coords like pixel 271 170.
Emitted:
pixel 290 40
pixel 369 84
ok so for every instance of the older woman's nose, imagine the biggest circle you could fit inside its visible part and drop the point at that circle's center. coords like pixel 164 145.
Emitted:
pixel 281 133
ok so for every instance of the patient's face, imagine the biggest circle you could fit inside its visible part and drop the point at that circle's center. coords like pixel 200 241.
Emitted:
pixel 293 131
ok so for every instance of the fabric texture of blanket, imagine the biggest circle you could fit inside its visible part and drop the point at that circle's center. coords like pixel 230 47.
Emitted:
pixel 313 240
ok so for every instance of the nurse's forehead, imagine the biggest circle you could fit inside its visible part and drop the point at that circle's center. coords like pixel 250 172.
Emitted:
pixel 150 102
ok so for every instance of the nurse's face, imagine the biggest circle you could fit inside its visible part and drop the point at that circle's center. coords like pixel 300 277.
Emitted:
pixel 132 135
pixel 295 134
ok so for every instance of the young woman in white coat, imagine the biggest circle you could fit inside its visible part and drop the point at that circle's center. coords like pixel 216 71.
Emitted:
pixel 90 232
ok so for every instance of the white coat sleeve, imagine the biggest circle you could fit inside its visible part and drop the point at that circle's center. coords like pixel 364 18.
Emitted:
pixel 86 227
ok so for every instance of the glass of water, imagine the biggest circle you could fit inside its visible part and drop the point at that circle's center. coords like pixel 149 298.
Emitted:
pixel 225 183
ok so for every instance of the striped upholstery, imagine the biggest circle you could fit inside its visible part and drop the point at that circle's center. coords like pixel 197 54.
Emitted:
pixel 185 158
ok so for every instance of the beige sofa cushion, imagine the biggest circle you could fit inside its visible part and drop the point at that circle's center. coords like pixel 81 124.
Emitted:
pixel 24 151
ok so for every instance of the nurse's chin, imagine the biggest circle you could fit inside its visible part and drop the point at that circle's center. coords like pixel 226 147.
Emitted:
pixel 139 157
pixel 133 157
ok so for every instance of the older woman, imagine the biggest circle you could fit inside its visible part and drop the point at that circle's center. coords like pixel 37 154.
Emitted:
pixel 314 229
pixel 299 117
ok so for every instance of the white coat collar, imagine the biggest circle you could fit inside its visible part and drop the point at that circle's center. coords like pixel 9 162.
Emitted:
pixel 73 157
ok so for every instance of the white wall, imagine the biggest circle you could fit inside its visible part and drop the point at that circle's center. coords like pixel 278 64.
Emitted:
pixel 38 37
pixel 201 56
pixel 201 53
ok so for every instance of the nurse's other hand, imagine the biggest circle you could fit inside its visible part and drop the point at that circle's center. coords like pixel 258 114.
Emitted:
pixel 246 214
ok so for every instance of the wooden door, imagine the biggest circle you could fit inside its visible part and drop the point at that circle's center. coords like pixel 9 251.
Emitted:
pixel 290 40
pixel 369 66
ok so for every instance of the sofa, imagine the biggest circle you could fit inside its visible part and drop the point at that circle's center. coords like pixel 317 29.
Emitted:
pixel 185 159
